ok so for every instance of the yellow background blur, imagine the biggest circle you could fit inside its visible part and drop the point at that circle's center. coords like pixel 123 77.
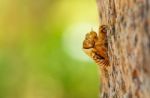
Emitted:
pixel 41 49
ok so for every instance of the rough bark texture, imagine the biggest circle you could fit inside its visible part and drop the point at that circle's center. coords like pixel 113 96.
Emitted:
pixel 128 75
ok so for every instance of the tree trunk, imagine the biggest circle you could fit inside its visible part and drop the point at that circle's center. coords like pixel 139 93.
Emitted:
pixel 128 75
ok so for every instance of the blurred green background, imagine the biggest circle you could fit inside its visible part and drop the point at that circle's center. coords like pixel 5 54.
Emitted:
pixel 41 49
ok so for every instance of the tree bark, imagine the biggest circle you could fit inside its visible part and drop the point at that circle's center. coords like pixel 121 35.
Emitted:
pixel 128 75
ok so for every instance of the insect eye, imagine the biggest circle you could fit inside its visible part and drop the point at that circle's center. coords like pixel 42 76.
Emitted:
pixel 103 29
